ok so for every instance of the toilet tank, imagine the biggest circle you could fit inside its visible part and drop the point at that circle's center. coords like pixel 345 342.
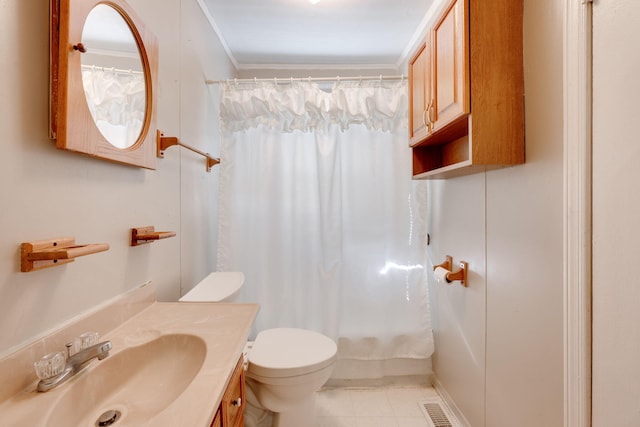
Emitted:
pixel 219 286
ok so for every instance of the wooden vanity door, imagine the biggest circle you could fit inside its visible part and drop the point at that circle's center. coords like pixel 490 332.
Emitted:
pixel 233 400
pixel 217 420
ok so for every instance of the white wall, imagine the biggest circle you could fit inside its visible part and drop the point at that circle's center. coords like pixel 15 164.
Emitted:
pixel 499 343
pixel 616 210
pixel 48 193
pixel 457 227
pixel 202 57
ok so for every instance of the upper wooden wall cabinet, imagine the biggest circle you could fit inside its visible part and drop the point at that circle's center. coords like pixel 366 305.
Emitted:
pixel 466 90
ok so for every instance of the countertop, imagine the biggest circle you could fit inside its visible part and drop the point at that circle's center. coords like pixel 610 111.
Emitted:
pixel 224 328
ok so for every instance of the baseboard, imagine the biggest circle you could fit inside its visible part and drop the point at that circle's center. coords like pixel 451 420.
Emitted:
pixel 355 369
pixel 462 420
pixel 405 380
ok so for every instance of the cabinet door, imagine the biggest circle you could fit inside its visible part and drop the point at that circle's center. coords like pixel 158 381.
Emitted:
pixel 419 95
pixel 217 420
pixel 450 66
pixel 233 399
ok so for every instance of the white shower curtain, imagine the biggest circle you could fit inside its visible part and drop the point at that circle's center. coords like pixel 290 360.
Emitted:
pixel 117 103
pixel 318 209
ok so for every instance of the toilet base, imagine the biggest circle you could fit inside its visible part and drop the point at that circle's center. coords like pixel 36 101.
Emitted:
pixel 304 414
pixel 254 414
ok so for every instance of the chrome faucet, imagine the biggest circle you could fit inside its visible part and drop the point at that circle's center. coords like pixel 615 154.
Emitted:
pixel 75 363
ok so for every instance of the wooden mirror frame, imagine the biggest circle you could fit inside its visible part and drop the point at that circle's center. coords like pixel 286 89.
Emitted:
pixel 71 123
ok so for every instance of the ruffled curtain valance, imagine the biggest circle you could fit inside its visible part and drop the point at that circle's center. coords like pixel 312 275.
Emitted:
pixel 306 106
pixel 117 103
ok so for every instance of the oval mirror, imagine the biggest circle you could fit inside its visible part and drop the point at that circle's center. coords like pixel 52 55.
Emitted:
pixel 104 74
pixel 113 76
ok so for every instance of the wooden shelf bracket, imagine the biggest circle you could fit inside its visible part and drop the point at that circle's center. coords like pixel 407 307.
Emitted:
pixel 164 142
pixel 144 235
pixel 460 274
pixel 447 264
pixel 50 253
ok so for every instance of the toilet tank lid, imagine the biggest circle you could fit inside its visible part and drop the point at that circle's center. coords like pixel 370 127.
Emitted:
pixel 216 287
pixel 283 352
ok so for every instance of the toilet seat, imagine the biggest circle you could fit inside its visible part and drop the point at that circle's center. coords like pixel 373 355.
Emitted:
pixel 290 352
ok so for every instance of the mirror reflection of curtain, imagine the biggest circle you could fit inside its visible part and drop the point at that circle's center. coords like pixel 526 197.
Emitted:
pixel 117 103
pixel 318 209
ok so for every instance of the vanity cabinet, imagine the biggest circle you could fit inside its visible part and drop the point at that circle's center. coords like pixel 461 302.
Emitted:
pixel 217 420
pixel 230 412
pixel 466 90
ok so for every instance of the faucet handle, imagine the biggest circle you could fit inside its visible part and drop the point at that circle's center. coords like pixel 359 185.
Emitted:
pixel 87 339
pixel 82 342
pixel 50 365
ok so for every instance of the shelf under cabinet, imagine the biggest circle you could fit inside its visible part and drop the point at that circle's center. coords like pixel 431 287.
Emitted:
pixel 462 150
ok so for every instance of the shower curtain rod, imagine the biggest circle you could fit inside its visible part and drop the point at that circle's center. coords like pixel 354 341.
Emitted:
pixel 307 79
pixel 113 70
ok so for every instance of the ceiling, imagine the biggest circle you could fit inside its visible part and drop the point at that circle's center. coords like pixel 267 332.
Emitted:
pixel 297 34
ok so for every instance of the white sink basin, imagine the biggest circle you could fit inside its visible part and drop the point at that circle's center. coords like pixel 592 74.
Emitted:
pixel 168 367
pixel 137 383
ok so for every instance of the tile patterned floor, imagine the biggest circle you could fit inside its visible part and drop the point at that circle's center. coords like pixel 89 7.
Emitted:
pixel 384 406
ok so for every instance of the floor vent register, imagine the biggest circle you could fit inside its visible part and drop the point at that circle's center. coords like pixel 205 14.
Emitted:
pixel 437 413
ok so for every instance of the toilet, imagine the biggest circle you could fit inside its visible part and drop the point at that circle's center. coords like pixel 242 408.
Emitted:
pixel 284 367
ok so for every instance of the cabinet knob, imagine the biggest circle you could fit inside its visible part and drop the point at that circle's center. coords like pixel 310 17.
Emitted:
pixel 429 111
pixel 427 116
pixel 237 402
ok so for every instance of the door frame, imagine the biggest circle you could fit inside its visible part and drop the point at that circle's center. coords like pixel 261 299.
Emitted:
pixel 577 213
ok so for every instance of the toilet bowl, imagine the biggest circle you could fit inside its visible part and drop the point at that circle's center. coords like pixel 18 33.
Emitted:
pixel 284 367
